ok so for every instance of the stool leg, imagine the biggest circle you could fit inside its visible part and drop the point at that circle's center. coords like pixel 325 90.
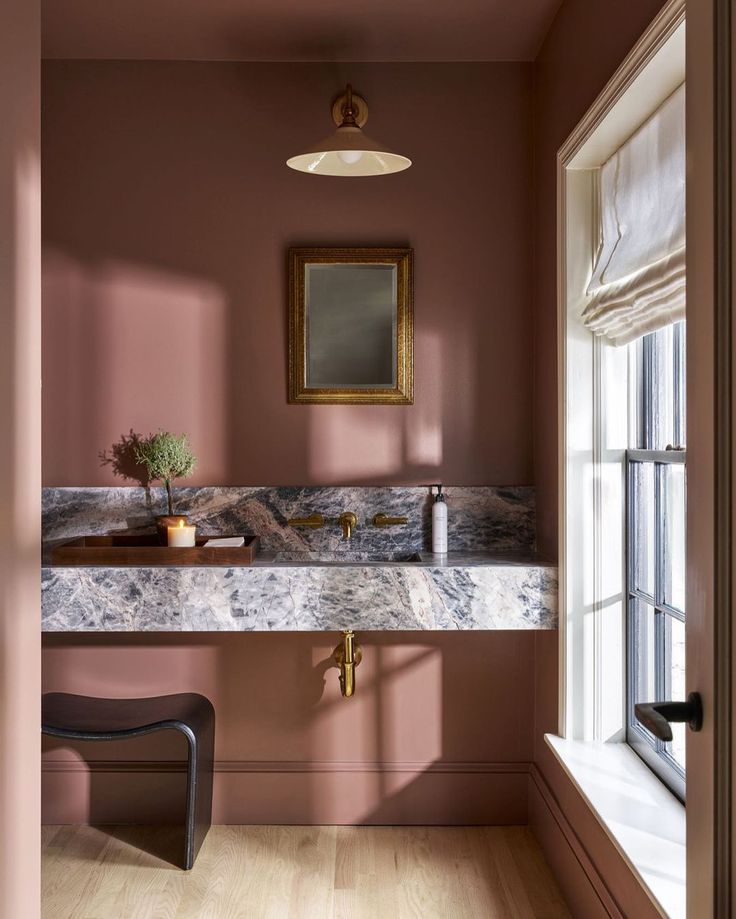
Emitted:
pixel 201 749
pixel 191 808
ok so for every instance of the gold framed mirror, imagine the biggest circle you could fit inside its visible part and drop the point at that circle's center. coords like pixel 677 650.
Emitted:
pixel 351 326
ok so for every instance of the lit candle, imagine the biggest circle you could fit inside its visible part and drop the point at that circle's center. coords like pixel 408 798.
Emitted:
pixel 181 536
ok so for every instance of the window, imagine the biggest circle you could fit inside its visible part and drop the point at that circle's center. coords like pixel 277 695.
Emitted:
pixel 621 405
pixel 655 513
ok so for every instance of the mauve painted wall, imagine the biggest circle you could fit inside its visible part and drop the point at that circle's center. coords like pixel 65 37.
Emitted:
pixel 167 214
pixel 439 731
pixel 586 44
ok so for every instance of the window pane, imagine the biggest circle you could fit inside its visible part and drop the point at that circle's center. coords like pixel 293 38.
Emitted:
pixel 643 644
pixel 674 535
pixel 661 383
pixel 642 527
pixel 674 662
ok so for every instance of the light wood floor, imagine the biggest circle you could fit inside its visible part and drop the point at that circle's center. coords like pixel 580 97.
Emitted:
pixel 277 872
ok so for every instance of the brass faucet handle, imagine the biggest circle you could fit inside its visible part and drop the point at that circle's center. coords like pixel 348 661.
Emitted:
pixel 315 521
pixel 383 520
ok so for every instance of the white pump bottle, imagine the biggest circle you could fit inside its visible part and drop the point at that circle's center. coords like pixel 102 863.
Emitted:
pixel 439 523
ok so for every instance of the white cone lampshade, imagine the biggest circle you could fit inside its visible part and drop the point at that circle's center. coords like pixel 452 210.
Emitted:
pixel 348 152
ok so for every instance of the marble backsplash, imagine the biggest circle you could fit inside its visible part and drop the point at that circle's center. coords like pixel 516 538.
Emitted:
pixel 491 519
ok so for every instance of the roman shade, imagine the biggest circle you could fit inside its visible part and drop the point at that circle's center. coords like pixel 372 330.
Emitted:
pixel 638 281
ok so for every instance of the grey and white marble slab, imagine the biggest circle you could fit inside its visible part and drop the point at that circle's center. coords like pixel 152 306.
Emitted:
pixel 457 594
pixel 307 580
pixel 486 519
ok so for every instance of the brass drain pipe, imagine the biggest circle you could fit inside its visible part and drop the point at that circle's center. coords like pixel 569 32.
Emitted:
pixel 347 656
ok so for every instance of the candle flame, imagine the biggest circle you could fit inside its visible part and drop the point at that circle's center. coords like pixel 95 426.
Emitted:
pixel 181 523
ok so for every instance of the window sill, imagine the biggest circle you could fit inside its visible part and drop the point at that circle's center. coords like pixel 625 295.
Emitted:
pixel 643 819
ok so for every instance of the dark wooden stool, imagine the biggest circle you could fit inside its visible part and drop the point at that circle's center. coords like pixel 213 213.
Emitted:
pixel 83 718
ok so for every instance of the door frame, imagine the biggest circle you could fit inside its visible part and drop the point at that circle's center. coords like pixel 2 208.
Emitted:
pixel 711 405
pixel 20 460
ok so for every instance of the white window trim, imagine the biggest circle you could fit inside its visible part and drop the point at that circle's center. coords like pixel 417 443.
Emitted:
pixel 592 690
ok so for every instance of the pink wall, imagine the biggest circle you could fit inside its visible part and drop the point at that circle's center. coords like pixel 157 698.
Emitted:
pixel 439 731
pixel 587 42
pixel 20 459
pixel 167 215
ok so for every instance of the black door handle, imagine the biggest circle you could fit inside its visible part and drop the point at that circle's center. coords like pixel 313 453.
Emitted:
pixel 656 716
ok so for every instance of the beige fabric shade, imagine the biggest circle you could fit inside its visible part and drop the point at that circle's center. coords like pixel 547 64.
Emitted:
pixel 638 281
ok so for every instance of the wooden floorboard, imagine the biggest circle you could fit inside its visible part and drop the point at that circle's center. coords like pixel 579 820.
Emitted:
pixel 298 872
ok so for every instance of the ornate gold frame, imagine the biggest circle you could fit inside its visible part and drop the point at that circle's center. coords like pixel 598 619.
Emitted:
pixel 403 392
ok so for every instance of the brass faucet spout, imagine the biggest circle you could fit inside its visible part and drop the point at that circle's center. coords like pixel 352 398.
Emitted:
pixel 347 656
pixel 348 521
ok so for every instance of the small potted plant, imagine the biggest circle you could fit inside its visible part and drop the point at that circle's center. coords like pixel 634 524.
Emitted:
pixel 166 457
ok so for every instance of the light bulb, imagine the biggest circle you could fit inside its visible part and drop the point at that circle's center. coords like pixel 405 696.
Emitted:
pixel 350 157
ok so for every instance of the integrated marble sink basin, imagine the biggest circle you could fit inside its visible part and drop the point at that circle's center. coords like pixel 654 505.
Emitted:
pixel 303 579
pixel 347 558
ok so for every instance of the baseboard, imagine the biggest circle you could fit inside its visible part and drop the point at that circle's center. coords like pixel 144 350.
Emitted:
pixel 415 767
pixel 582 885
pixel 313 792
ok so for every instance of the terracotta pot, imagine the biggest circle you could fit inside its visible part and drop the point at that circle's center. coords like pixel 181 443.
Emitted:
pixel 164 521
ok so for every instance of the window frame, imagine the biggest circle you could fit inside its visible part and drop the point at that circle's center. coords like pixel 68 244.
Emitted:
pixel 590 743
pixel 646 407
pixel 654 752
pixel 593 410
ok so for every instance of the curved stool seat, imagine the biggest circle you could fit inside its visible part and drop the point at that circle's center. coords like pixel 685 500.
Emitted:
pixel 75 717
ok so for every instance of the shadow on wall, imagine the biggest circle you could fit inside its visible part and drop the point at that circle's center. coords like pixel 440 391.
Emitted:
pixel 126 341
pixel 122 458
pixel 413 746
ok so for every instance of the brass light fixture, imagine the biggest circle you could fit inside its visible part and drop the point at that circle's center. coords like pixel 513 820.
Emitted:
pixel 348 152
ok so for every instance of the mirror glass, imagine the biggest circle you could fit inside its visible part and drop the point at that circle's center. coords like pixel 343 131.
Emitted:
pixel 350 316
pixel 351 326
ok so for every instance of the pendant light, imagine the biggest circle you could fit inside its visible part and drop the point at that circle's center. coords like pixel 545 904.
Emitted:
pixel 348 152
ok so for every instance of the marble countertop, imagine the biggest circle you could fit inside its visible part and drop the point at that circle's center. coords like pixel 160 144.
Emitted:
pixel 467 559
pixel 287 591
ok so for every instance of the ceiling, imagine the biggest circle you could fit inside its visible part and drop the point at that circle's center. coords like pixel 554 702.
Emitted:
pixel 297 30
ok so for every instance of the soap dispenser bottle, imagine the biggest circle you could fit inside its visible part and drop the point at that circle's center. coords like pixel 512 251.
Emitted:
pixel 439 523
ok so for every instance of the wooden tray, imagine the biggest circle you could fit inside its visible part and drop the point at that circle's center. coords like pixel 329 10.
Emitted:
pixel 146 551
